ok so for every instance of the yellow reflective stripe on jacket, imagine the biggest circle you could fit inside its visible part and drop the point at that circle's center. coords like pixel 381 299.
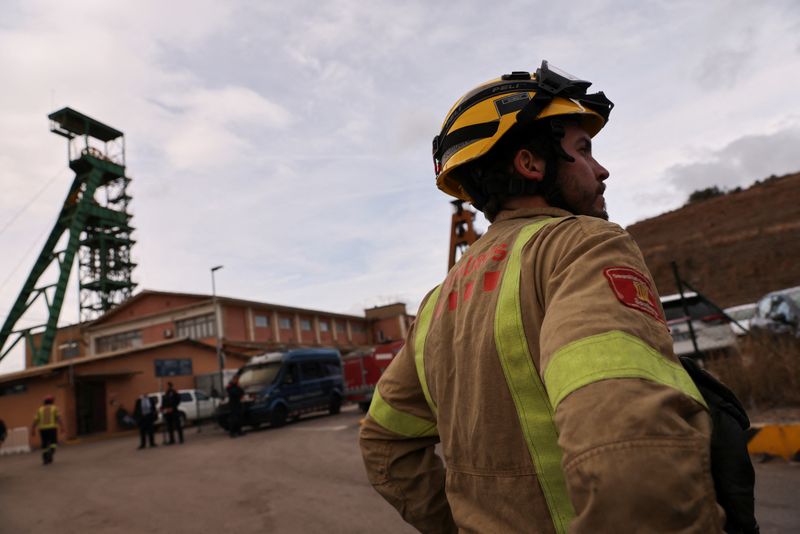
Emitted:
pixel 423 325
pixel 610 355
pixel 530 398
pixel 44 411
pixel 399 422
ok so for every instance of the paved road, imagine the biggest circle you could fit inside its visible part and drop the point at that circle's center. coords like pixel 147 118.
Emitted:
pixel 304 478
pixel 778 497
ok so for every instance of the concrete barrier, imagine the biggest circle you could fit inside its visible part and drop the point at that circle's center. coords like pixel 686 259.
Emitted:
pixel 16 441
pixel 775 440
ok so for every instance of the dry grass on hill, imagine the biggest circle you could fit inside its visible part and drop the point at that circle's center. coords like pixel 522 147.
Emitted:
pixel 764 373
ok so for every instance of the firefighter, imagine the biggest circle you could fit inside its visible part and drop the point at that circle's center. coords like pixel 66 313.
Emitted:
pixel 48 422
pixel 542 364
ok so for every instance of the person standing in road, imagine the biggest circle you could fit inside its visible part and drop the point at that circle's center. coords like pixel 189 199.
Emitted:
pixel 235 394
pixel 48 422
pixel 172 416
pixel 145 415
pixel 542 364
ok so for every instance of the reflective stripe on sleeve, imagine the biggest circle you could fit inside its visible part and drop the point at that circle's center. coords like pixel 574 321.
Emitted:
pixel 399 422
pixel 614 354
pixel 530 398
pixel 423 324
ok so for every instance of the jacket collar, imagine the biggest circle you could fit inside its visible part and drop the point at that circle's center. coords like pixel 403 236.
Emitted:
pixel 528 213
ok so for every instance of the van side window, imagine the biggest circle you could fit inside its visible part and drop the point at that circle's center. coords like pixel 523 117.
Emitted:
pixel 291 375
pixel 332 369
pixel 311 370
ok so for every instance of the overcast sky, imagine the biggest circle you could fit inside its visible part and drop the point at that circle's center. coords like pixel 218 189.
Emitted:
pixel 290 141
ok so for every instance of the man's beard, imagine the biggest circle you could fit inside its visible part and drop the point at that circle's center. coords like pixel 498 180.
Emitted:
pixel 556 198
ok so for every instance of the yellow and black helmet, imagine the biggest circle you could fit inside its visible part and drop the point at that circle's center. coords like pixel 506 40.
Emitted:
pixel 484 115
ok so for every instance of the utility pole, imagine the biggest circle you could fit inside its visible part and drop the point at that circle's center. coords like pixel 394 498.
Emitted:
pixel 217 318
pixel 685 307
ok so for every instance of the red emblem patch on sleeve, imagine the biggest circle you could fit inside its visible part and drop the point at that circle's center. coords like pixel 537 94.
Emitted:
pixel 634 290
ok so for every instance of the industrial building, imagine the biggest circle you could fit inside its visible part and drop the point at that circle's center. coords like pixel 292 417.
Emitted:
pixel 97 367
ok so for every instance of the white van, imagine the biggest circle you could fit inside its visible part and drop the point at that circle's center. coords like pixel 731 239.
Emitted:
pixel 195 405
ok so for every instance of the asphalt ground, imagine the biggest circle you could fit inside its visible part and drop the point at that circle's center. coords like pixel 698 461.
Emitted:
pixel 306 477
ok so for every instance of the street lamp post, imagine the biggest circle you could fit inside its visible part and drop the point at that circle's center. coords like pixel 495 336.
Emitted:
pixel 220 358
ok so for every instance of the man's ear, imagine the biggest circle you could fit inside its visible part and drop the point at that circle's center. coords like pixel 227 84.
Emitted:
pixel 528 165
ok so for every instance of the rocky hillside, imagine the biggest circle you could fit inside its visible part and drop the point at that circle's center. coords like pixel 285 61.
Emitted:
pixel 732 248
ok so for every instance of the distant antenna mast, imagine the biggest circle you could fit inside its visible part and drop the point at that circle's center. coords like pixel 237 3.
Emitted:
pixel 95 220
pixel 462 232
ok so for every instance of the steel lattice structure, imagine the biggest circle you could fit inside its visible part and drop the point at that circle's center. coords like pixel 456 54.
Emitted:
pixel 94 225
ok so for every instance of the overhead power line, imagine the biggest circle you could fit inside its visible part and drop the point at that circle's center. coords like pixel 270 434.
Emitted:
pixel 31 201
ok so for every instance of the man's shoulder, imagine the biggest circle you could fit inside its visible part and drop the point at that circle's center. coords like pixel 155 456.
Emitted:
pixel 587 225
pixel 578 234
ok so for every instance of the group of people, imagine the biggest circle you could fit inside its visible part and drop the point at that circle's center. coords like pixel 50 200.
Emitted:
pixel 48 422
pixel 146 414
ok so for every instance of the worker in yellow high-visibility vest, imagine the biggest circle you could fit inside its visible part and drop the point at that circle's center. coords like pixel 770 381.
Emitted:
pixel 48 422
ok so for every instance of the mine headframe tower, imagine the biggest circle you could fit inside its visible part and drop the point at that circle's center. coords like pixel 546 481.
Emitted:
pixel 94 223
pixel 462 232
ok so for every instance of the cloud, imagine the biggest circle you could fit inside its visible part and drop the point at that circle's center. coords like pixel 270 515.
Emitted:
pixel 209 126
pixel 723 67
pixel 290 141
pixel 740 162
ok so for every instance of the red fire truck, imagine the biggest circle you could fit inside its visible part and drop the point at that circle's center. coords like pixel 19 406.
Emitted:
pixel 363 368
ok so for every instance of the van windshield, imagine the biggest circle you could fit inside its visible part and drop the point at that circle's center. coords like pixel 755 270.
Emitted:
pixel 259 374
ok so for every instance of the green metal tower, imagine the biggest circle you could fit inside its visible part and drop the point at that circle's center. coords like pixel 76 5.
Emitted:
pixel 95 221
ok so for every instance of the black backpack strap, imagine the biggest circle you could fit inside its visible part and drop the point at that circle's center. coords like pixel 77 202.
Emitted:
pixel 731 468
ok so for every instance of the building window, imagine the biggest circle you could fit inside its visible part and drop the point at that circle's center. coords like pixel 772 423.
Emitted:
pixel 305 325
pixel 358 327
pixel 285 323
pixel 262 321
pixel 341 327
pixel 70 349
pixel 323 326
pixel 120 341
pixel 15 389
pixel 197 327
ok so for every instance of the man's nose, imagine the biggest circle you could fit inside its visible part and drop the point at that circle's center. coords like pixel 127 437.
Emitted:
pixel 601 172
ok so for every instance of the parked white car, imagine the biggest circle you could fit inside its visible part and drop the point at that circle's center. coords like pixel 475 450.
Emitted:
pixel 742 315
pixel 711 328
pixel 194 405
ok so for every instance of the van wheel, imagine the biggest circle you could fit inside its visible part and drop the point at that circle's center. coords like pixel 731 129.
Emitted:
pixel 335 405
pixel 278 416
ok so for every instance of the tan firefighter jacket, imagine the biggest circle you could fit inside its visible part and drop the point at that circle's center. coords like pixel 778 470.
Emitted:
pixel 544 368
